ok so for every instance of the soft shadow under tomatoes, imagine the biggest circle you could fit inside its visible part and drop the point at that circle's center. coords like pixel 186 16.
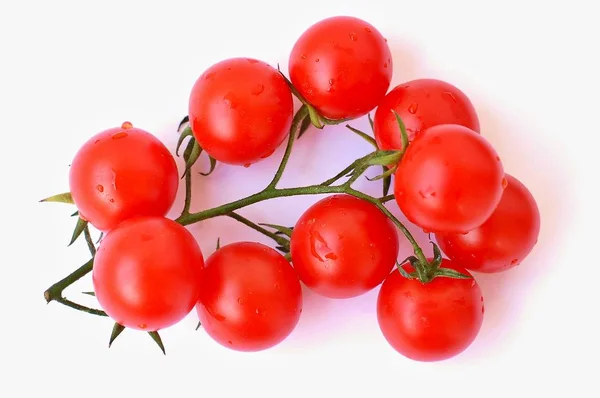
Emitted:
pixel 240 110
pixel 342 66
pixel 430 321
pixel 504 240
pixel 450 179
pixel 120 173
pixel 421 103
pixel 343 246
pixel 251 298
pixel 147 273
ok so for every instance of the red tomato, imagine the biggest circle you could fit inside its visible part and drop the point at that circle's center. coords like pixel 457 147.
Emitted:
pixel 449 180
pixel 120 173
pixel 251 298
pixel 240 110
pixel 432 321
pixel 504 240
pixel 147 273
pixel 421 104
pixel 342 66
pixel 343 247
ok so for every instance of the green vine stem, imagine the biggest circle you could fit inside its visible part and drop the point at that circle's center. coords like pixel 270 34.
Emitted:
pixel 424 269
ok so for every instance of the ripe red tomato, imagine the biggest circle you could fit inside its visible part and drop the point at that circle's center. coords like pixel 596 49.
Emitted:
pixel 147 273
pixel 251 298
pixel 343 247
pixel 432 321
pixel 240 110
pixel 449 180
pixel 504 240
pixel 421 104
pixel 342 66
pixel 120 173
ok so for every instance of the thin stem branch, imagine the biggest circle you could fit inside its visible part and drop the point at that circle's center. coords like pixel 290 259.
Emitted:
pixel 386 198
pixel 282 241
pixel 188 193
pixel 298 118
pixel 80 307
pixel 54 292
pixel 89 241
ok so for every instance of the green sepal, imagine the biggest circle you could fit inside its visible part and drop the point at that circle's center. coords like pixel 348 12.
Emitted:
pixel 363 135
pixel 186 133
pixel 213 164
pixel 287 231
pixel 116 331
pixel 183 122
pixel 79 227
pixel 190 155
pixel 156 337
pixel 60 198
pixel 306 123
pixel 89 293
pixel 199 325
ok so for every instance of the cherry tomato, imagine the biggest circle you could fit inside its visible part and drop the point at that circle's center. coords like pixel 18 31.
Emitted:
pixel 432 321
pixel 240 110
pixel 120 173
pixel 504 240
pixel 147 273
pixel 449 180
pixel 421 104
pixel 251 298
pixel 343 247
pixel 342 66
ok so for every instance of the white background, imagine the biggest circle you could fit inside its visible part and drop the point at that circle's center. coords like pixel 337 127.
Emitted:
pixel 71 69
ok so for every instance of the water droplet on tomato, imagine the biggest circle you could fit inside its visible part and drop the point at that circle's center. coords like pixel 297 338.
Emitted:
pixel 385 65
pixel 258 89
pixel 317 60
pixel 450 96
pixel 240 301
pixel 482 310
pixel 229 341
pixel 97 141
pixel 303 56
pixel 481 298
pixel 111 200
pixel 126 125
pixel 472 282
pixel 319 248
pixel 514 261
pixel 498 158
pixel 119 135
pixel 142 326
pixel 260 312
pixel 353 37
pixel 504 182
pixel 367 30
pixel 100 188
pixel 267 155
pixel 385 39
pixel 413 108
pixel 252 61
pixel 331 81
pixel 209 75
pixel 247 165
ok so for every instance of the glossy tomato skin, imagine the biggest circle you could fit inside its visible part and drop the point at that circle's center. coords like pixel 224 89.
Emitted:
pixel 342 66
pixel 251 298
pixel 449 180
pixel 504 240
pixel 421 103
pixel 120 173
pixel 432 321
pixel 240 110
pixel 147 273
pixel 343 247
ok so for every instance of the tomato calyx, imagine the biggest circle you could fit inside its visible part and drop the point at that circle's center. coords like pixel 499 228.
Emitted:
pixel 316 119
pixel 193 150
pixel 425 271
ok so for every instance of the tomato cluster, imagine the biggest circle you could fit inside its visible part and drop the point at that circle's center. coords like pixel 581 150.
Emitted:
pixel 149 272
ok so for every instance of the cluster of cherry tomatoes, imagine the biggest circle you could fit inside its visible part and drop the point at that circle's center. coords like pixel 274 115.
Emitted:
pixel 149 272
